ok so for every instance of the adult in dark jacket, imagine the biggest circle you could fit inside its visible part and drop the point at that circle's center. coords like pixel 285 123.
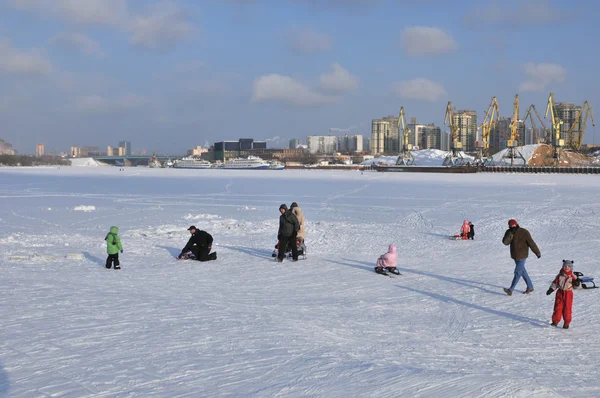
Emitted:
pixel 200 244
pixel 520 242
pixel 288 230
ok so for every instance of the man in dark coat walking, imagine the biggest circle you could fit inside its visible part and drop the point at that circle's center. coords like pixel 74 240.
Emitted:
pixel 520 242
pixel 288 230
pixel 200 244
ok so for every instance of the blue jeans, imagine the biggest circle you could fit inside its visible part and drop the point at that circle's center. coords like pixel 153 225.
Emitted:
pixel 520 271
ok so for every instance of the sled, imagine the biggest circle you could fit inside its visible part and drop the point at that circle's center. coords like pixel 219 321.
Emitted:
pixel 587 282
pixel 458 237
pixel 288 253
pixel 187 256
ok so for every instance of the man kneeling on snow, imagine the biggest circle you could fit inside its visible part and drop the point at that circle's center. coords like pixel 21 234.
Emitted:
pixel 199 244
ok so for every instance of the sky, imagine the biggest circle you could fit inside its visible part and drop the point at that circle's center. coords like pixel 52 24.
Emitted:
pixel 170 75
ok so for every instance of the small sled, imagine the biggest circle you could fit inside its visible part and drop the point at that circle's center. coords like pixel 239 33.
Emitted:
pixel 587 282
pixel 187 256
pixel 288 252
pixel 458 237
pixel 387 270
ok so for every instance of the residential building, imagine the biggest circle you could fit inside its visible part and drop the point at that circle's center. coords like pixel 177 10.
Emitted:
pixel 294 143
pixel 350 143
pixel 445 140
pixel 322 144
pixel 431 137
pixel 567 112
pixel 366 144
pixel 415 135
pixel 6 148
pixel 126 145
pixel 379 132
pixel 118 151
pixel 500 134
pixel 75 152
pixel 197 151
pixel 392 140
pixel 39 150
pixel 466 121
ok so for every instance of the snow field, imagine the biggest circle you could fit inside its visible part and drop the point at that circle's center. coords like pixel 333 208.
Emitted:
pixel 325 326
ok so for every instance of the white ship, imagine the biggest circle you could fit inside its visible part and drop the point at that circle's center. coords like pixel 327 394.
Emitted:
pixel 249 163
pixel 191 163
pixel 276 165
pixel 154 163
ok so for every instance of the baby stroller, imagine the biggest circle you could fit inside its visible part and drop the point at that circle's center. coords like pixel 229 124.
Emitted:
pixel 288 250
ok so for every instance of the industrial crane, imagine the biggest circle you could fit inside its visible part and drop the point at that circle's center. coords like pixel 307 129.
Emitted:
pixel 406 157
pixel 486 126
pixel 454 157
pixel 557 142
pixel 513 142
pixel 547 134
pixel 575 142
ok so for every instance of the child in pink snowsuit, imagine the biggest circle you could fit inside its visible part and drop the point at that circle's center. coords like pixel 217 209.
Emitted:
pixel 388 260
pixel 465 229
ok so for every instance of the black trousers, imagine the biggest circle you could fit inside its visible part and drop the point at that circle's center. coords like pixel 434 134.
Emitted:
pixel 202 254
pixel 112 258
pixel 284 241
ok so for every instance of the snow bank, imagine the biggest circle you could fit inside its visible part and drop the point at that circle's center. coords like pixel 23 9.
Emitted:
pixel 200 217
pixel 527 151
pixel 86 162
pixel 84 208
pixel 423 157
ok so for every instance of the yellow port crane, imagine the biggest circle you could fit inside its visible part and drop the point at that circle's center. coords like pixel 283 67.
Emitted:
pixel 557 142
pixel 492 115
pixel 575 141
pixel 547 134
pixel 406 157
pixel 454 157
pixel 513 142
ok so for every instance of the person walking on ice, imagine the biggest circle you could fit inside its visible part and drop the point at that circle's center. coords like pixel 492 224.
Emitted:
pixel 563 303
pixel 113 247
pixel 520 242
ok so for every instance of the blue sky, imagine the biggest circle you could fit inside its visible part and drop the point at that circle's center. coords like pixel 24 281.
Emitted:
pixel 169 75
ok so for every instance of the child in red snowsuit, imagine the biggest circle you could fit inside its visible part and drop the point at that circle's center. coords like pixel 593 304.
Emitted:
pixel 563 303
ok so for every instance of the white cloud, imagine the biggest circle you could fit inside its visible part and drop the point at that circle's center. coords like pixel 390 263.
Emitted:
pixel 308 41
pixel 100 104
pixel 278 88
pixel 425 40
pixel 164 26
pixel 111 12
pixel 338 81
pixel 78 42
pixel 540 76
pixel 16 62
pixel 420 89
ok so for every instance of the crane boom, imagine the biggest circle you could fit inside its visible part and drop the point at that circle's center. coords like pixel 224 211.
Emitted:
pixel 487 125
pixel 514 124
pixel 575 142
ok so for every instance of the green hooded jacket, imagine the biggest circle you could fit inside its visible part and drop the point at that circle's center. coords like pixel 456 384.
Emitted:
pixel 113 242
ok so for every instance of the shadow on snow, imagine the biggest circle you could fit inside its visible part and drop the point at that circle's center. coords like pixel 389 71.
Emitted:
pixel 94 259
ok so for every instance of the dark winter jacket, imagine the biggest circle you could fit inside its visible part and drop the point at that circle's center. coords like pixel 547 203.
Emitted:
pixel 288 224
pixel 113 242
pixel 520 242
pixel 199 239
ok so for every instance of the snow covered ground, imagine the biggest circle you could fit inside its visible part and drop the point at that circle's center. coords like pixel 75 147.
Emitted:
pixel 327 326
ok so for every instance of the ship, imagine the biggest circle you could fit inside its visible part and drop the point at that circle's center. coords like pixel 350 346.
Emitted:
pixel 249 163
pixel 154 163
pixel 276 165
pixel 191 163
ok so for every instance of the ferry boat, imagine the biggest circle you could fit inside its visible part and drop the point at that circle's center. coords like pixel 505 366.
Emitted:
pixel 276 165
pixel 191 163
pixel 249 163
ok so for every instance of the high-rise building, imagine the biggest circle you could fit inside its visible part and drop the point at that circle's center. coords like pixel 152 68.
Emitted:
pixel 445 139
pixel 109 151
pixel 350 143
pixel 567 112
pixel 126 145
pixel 466 121
pixel 6 148
pixel 366 144
pixel 416 133
pixel 379 131
pixel 324 144
pixel 431 137
pixel 39 150
pixel 75 151
pixel 294 143
pixel 392 140
pixel 500 134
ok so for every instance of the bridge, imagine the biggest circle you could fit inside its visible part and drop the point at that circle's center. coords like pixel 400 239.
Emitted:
pixel 130 160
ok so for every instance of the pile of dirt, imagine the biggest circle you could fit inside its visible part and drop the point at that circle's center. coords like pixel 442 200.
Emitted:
pixel 543 157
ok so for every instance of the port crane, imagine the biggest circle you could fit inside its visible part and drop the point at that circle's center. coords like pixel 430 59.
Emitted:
pixel 454 157
pixel 547 133
pixel 492 115
pixel 557 142
pixel 513 142
pixel 574 141
pixel 406 157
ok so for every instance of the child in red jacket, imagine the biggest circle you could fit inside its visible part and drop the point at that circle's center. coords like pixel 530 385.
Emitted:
pixel 563 303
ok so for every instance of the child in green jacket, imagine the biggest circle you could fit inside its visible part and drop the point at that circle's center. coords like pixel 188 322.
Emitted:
pixel 113 247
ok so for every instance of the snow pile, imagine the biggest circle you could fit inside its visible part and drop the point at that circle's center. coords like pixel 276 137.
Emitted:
pixel 86 162
pixel 84 208
pixel 200 217
pixel 527 151
pixel 423 157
